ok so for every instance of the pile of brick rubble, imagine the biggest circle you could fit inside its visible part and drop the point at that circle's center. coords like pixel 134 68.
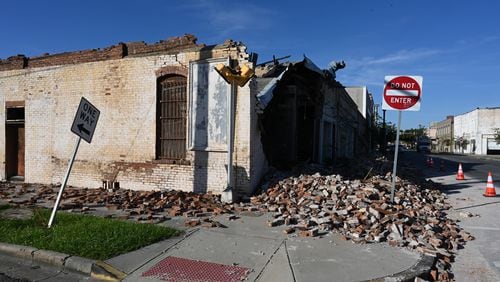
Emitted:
pixel 306 205
pixel 362 212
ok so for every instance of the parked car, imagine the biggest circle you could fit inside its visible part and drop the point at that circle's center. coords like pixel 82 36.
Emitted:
pixel 424 144
pixel 424 147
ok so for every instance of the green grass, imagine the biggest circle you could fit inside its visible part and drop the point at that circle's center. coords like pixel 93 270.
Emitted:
pixel 4 207
pixel 81 235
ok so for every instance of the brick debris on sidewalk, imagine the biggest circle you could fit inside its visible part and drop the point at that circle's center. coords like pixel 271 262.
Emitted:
pixel 308 205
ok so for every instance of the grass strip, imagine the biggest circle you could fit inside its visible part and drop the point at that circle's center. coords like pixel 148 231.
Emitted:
pixel 81 235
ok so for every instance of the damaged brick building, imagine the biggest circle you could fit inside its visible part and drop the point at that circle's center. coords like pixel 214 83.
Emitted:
pixel 164 117
pixel 308 116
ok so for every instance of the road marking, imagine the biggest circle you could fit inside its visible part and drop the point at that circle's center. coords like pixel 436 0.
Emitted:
pixel 481 228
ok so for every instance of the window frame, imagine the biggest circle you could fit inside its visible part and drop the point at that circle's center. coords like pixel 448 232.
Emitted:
pixel 176 154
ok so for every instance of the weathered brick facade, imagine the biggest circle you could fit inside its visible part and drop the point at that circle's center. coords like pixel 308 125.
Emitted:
pixel 122 82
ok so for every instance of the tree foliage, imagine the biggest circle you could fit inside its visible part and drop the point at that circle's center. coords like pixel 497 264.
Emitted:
pixel 408 136
pixel 462 143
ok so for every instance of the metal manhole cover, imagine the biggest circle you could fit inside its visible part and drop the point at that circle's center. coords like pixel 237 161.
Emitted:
pixel 181 269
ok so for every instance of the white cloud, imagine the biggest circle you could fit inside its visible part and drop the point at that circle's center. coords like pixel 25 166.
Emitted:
pixel 229 17
pixel 399 57
pixel 370 71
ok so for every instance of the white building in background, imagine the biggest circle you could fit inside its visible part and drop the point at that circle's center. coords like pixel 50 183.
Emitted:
pixel 474 131
pixel 432 133
pixel 366 106
pixel 363 99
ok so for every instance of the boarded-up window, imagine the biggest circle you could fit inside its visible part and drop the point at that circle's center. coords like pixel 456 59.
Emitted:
pixel 171 127
pixel 209 106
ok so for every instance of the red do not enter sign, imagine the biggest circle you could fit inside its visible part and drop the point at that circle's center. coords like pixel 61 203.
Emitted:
pixel 402 93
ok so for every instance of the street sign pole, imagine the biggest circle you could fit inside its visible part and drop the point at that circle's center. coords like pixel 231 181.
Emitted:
pixel 395 166
pixel 63 185
pixel 401 93
pixel 84 124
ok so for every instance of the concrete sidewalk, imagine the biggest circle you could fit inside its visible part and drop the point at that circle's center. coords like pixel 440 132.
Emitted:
pixel 248 249
pixel 243 249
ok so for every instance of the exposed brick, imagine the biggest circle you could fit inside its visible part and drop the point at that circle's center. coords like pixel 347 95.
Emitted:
pixel 121 81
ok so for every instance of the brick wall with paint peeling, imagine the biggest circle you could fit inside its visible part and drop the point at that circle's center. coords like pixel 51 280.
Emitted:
pixel 123 146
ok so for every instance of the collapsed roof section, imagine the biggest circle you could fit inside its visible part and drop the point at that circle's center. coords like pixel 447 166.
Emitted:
pixel 269 75
pixel 290 103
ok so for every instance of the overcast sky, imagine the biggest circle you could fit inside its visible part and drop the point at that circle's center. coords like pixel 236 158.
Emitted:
pixel 454 45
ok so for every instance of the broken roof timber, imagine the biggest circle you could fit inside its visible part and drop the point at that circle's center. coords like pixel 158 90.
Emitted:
pixel 266 94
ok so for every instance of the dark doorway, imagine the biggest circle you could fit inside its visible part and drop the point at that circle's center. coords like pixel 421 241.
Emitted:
pixel 14 143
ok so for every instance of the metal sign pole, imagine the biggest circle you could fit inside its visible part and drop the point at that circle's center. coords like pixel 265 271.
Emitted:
pixel 230 126
pixel 227 194
pixel 396 149
pixel 59 196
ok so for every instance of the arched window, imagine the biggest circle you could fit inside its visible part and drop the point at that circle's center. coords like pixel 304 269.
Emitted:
pixel 171 117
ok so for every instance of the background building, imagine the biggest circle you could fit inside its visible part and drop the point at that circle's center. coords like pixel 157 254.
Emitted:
pixel 474 131
pixel 432 133
pixel 366 106
pixel 444 135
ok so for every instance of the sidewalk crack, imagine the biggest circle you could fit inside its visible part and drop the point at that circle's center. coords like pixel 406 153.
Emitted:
pixel 283 243
pixel 289 262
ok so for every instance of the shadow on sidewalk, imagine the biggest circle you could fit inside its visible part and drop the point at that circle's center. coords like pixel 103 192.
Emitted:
pixel 478 205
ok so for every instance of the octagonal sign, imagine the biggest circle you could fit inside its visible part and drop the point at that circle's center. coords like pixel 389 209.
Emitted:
pixel 402 93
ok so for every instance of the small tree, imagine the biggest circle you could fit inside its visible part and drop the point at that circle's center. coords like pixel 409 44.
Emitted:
pixel 497 135
pixel 447 143
pixel 462 143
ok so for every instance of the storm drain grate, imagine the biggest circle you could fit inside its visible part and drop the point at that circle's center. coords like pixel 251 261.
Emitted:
pixel 181 269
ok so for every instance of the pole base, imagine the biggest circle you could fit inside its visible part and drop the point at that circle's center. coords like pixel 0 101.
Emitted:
pixel 227 195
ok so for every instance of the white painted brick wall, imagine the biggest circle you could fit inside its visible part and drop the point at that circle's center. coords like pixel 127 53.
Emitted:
pixel 123 146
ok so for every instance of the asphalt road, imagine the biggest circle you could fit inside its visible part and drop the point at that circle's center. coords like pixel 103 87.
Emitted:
pixel 479 215
pixel 14 269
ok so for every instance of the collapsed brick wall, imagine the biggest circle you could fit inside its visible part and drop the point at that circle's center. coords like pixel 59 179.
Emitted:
pixel 124 89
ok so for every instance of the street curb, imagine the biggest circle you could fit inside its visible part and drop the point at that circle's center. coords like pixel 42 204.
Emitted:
pixel 106 272
pixel 65 261
pixel 421 269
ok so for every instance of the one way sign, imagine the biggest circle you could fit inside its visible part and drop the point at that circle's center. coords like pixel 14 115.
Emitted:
pixel 85 120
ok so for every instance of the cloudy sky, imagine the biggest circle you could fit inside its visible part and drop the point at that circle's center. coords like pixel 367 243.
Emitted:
pixel 454 45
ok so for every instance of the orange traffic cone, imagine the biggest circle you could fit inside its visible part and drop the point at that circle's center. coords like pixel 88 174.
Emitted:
pixel 460 174
pixel 490 188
